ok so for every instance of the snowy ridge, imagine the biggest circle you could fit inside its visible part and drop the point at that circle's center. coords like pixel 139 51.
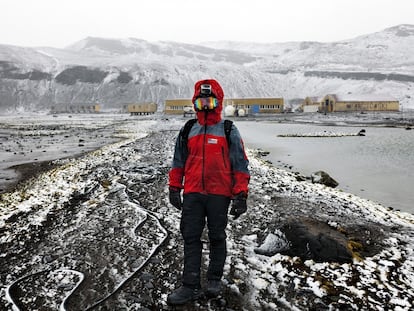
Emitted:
pixel 113 72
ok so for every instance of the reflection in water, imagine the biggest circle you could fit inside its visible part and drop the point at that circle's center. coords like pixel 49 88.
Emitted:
pixel 378 166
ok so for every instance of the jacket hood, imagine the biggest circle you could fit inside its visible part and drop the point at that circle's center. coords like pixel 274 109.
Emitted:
pixel 214 116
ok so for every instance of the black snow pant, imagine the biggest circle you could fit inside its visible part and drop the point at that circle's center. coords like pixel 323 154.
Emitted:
pixel 196 209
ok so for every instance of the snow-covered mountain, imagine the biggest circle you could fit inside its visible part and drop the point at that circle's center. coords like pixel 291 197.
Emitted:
pixel 113 72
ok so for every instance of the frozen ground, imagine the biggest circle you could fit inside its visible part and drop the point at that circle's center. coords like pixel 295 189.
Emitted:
pixel 97 232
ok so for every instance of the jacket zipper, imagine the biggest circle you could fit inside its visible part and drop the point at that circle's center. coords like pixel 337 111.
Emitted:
pixel 204 151
pixel 222 154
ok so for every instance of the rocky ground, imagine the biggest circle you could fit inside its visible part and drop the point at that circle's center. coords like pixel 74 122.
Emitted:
pixel 97 233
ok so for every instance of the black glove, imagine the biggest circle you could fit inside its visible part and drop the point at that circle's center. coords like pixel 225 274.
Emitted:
pixel 239 205
pixel 175 197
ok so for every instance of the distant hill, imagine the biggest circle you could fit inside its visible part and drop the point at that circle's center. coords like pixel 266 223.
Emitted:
pixel 113 72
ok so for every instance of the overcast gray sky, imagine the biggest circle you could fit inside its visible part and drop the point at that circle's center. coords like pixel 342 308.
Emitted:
pixel 58 23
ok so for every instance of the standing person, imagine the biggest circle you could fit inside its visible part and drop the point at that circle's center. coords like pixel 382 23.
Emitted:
pixel 211 166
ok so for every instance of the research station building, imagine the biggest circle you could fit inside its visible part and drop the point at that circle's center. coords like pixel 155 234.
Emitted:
pixel 249 105
pixel 354 103
pixel 256 105
pixel 178 106
pixel 142 108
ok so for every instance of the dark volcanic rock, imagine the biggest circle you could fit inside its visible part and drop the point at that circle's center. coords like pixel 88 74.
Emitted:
pixel 323 178
pixel 124 77
pixel 82 74
pixel 313 239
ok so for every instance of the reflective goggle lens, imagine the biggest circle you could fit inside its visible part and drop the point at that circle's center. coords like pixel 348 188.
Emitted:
pixel 205 103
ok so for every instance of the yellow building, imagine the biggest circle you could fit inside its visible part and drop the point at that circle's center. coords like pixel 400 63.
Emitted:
pixel 142 108
pixel 256 105
pixel 96 108
pixel 335 103
pixel 178 106
pixel 76 108
pixel 311 104
pixel 249 105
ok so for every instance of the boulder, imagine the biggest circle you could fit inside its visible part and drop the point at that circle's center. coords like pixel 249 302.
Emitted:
pixel 323 178
pixel 316 240
pixel 308 239
pixel 273 243
pixel 361 132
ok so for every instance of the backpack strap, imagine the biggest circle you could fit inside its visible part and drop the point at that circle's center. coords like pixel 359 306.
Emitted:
pixel 186 130
pixel 227 130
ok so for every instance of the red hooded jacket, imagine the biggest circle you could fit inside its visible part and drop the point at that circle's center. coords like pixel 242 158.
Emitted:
pixel 207 163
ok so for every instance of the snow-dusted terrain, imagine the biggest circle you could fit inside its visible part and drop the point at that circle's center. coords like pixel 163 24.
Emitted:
pixel 114 72
pixel 97 232
pixel 23 142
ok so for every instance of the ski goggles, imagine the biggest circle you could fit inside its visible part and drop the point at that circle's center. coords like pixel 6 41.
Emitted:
pixel 205 103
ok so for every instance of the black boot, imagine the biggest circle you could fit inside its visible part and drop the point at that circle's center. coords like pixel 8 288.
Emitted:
pixel 183 295
pixel 213 288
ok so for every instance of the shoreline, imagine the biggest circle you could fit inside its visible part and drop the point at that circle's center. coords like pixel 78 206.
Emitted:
pixel 31 170
pixel 375 119
pixel 30 144
pixel 353 163
pixel 25 172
